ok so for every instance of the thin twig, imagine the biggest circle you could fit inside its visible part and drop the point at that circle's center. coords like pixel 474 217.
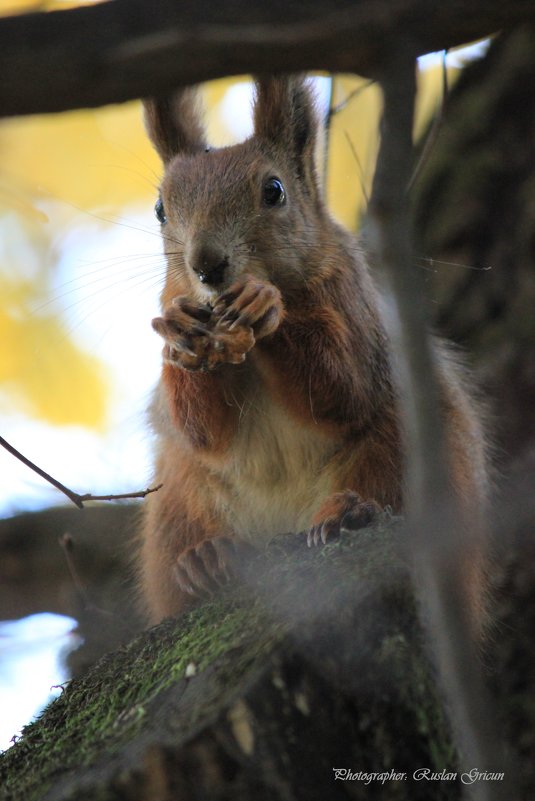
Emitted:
pixel 362 176
pixel 435 128
pixel 67 546
pixel 333 110
pixel 75 497
pixel 438 560
pixel 327 130
pixel 139 494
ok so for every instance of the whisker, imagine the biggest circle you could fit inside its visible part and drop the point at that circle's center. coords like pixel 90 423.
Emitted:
pixel 99 292
pixel 123 256
pixel 154 187
pixel 131 227
pixel 80 283
pixel 141 161
pixel 102 272
pixel 147 282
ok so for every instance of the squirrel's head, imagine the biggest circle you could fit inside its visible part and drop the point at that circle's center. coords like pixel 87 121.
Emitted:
pixel 251 208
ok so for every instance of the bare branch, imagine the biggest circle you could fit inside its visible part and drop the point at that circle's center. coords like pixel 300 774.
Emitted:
pixel 116 51
pixel 75 497
pixel 430 504
pixel 122 496
pixel 435 127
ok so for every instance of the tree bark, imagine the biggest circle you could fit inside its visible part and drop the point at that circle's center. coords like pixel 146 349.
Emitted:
pixel 475 228
pixel 316 662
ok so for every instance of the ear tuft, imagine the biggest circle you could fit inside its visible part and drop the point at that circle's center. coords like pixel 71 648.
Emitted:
pixel 174 123
pixel 284 115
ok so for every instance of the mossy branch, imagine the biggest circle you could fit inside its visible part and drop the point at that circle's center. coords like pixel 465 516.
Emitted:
pixel 315 662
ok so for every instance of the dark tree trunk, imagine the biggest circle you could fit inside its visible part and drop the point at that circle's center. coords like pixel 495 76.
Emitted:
pixel 475 215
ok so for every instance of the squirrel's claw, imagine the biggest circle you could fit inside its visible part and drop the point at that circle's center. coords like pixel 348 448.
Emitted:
pixel 250 302
pixel 202 569
pixel 342 510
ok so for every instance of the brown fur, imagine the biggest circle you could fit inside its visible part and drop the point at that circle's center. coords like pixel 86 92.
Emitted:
pixel 276 392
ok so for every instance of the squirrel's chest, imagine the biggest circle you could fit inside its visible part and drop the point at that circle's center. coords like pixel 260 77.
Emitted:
pixel 277 474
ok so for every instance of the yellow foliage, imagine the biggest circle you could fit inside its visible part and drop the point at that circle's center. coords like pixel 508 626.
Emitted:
pixel 84 158
pixel 46 374
pixel 10 7
pixel 352 147
pixel 43 373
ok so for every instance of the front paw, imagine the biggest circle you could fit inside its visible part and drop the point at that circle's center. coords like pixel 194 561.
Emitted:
pixel 201 570
pixel 341 510
pixel 250 302
pixel 185 327
pixel 194 340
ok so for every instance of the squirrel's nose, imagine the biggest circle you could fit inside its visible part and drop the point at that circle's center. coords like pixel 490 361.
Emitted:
pixel 209 264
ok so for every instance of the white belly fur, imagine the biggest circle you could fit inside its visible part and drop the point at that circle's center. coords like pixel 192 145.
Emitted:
pixel 278 473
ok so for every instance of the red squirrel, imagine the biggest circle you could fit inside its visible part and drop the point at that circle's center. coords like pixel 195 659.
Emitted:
pixel 276 409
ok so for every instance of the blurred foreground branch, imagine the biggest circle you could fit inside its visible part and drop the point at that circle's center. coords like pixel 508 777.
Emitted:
pixel 434 520
pixel 116 51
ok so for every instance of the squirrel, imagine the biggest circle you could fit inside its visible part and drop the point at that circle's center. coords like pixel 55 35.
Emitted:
pixel 276 410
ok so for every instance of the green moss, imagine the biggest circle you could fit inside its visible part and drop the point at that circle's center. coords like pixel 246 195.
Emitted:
pixel 100 713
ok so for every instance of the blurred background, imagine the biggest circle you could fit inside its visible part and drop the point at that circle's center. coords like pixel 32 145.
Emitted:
pixel 80 274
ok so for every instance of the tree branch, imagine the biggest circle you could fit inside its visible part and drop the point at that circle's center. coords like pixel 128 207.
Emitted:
pixel 431 506
pixel 116 51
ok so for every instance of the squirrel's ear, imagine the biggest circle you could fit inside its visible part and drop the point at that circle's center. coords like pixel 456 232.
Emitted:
pixel 284 115
pixel 174 123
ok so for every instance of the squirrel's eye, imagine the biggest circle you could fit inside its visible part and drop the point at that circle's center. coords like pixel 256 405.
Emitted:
pixel 273 193
pixel 160 211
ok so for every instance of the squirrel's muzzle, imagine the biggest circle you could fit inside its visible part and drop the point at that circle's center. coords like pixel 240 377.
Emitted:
pixel 210 264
